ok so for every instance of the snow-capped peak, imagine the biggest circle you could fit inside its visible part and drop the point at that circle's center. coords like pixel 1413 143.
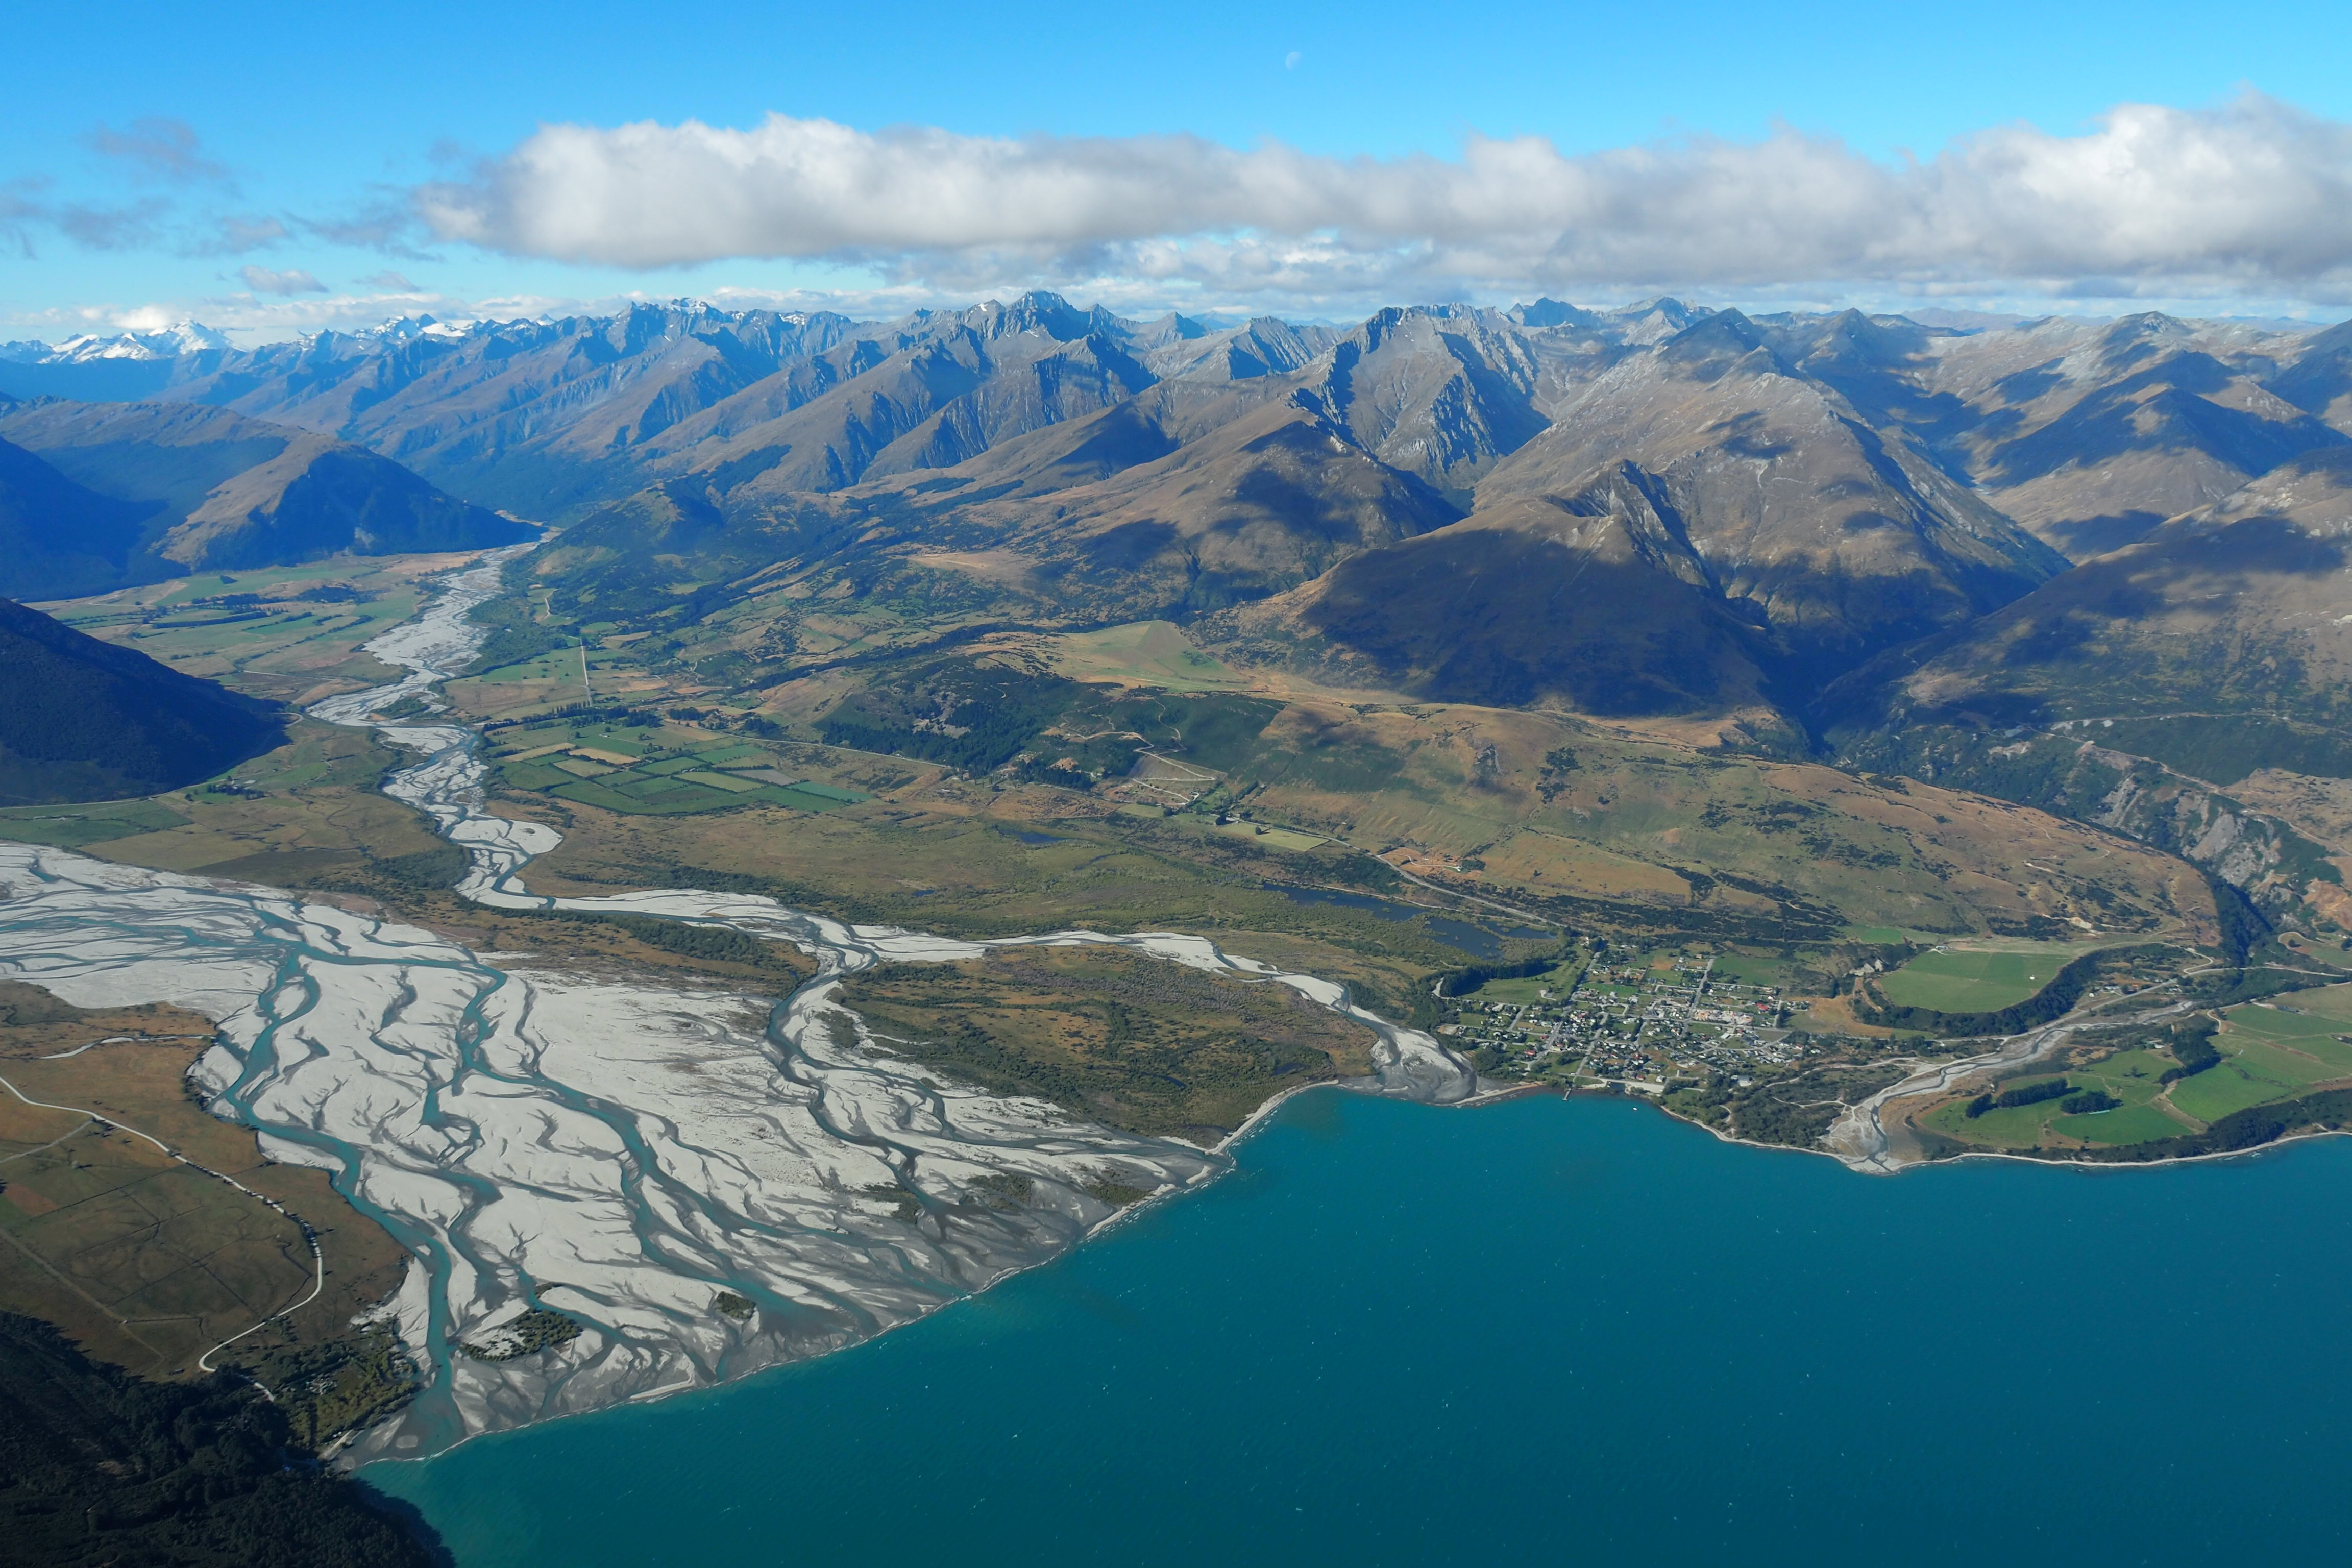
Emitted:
pixel 169 342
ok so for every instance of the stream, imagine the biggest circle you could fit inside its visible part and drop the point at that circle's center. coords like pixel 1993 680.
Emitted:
pixel 642 1158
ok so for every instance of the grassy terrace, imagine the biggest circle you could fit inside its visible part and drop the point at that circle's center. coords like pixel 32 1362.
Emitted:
pixel 146 1262
pixel 1136 1042
pixel 291 633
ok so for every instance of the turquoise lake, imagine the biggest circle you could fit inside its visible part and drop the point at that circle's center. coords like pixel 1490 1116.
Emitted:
pixel 1554 1330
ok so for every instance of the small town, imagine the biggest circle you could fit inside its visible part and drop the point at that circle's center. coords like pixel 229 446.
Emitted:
pixel 1631 1023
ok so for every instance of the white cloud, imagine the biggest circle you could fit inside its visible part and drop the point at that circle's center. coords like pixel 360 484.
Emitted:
pixel 291 281
pixel 2254 195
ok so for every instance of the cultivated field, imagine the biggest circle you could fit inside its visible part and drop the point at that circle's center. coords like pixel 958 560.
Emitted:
pixel 291 633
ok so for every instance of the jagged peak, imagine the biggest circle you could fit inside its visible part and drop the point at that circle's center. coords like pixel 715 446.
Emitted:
pixel 1039 309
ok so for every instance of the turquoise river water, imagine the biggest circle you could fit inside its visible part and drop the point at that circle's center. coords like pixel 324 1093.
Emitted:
pixel 1543 1331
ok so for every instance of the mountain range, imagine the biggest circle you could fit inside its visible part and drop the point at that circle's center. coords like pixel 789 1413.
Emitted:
pixel 1860 536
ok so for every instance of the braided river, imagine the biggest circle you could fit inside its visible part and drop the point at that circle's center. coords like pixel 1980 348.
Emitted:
pixel 627 1156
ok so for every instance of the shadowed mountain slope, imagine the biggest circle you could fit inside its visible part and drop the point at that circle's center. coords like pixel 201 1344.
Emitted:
pixel 84 720
pixel 2242 606
pixel 2192 690
pixel 58 538
pixel 2319 381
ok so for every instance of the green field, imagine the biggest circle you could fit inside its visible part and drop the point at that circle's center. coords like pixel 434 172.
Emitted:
pixel 667 772
pixel 72 826
pixel 1279 837
pixel 2131 1077
pixel 2272 1053
pixel 2125 1124
pixel 1751 970
pixel 1529 990
pixel 1960 980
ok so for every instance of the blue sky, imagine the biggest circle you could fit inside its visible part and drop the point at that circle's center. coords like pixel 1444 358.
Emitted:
pixel 307 119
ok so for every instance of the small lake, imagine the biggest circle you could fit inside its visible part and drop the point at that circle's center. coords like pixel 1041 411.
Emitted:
pixel 1539 1332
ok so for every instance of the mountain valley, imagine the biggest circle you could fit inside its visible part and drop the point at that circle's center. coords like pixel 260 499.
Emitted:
pixel 1800 537
pixel 1829 726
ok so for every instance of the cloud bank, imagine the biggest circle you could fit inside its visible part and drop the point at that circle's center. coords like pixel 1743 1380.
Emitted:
pixel 2254 197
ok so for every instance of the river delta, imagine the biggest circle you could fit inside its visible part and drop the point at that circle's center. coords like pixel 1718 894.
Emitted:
pixel 640 1160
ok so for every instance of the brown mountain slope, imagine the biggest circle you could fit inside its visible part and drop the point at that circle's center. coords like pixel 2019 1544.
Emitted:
pixel 1844 541
pixel 1261 503
pixel 929 394
pixel 1442 394
pixel 1106 518
pixel 2091 433
pixel 1596 602
pixel 2243 606
pixel 2162 429
pixel 538 417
